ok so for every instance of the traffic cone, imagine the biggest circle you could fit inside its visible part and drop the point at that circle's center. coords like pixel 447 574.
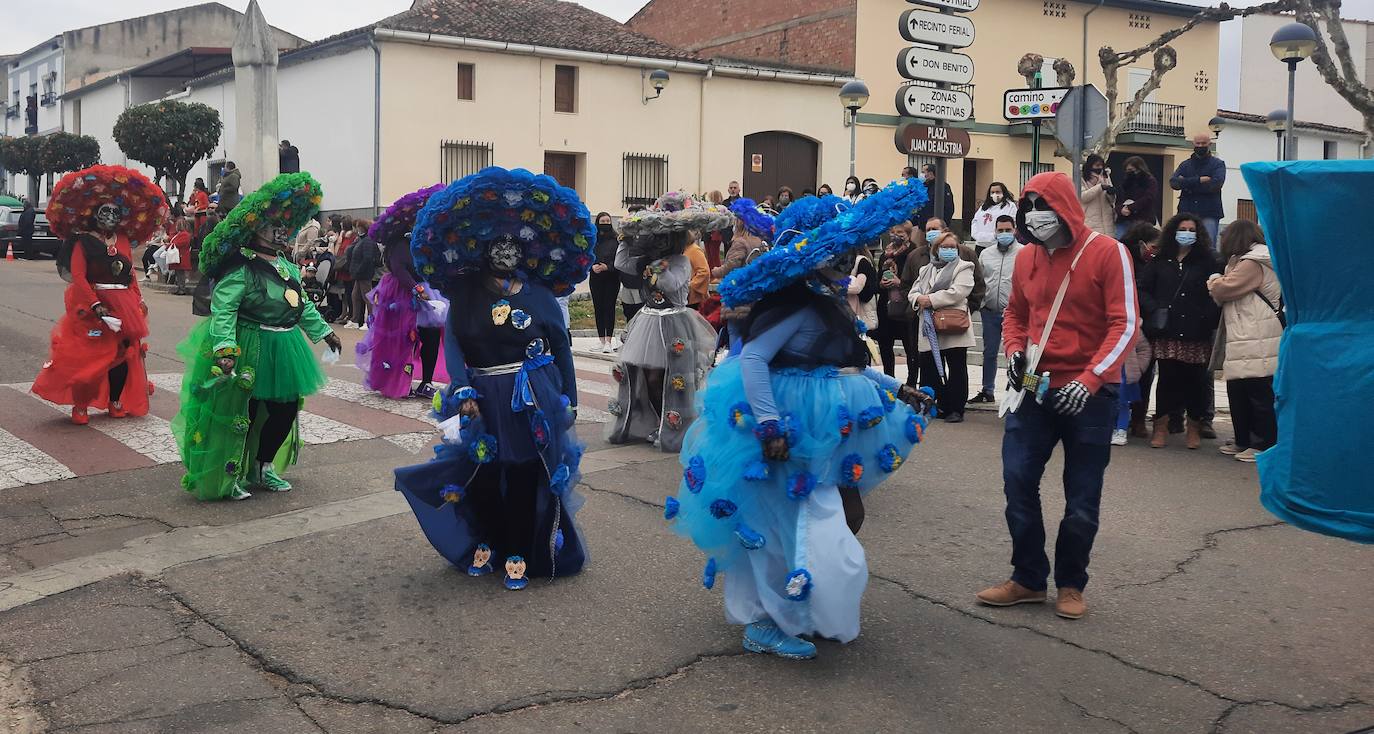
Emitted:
pixel 10 255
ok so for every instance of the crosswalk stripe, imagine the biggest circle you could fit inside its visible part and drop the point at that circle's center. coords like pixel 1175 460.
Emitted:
pixel 147 434
pixel 21 463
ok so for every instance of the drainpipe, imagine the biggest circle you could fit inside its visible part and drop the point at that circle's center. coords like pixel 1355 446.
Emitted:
pixel 376 127
pixel 1078 146
pixel 701 132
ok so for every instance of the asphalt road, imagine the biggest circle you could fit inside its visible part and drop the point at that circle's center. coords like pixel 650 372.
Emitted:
pixel 125 606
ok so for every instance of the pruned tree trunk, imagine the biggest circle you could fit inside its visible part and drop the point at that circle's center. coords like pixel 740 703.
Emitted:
pixel 1346 79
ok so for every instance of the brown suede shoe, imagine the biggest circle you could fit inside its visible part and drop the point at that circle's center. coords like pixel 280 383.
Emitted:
pixel 1009 593
pixel 1069 603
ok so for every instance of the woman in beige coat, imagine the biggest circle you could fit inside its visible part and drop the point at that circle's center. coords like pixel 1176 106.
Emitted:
pixel 1098 196
pixel 1252 333
pixel 942 288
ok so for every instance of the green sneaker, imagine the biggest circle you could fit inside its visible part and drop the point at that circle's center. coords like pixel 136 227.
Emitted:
pixel 239 493
pixel 264 476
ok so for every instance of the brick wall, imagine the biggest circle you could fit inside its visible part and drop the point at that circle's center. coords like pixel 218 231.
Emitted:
pixel 818 33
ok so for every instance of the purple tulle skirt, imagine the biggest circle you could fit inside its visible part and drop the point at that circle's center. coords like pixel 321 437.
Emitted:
pixel 389 356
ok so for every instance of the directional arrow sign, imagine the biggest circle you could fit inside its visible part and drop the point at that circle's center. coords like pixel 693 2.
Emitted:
pixel 935 104
pixel 958 6
pixel 924 26
pixel 934 66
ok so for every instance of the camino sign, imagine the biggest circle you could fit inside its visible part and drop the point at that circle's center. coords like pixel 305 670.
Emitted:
pixel 933 141
pixel 1025 105
pixel 958 6
pixel 935 66
pixel 924 26
pixel 935 104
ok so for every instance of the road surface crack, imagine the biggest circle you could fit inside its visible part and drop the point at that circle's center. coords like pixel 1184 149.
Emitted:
pixel 1085 713
pixel 632 498
pixel 1218 726
pixel 1209 542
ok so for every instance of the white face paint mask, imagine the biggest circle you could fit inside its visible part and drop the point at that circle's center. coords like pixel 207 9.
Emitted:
pixel 1044 225
pixel 504 255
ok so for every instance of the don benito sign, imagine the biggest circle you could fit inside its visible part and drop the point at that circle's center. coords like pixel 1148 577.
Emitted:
pixel 933 141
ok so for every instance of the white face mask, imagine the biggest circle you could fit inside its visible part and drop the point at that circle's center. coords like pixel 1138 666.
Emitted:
pixel 850 187
pixel 997 197
pixel 1044 225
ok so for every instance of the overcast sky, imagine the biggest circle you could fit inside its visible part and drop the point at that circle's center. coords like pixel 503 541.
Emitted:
pixel 312 19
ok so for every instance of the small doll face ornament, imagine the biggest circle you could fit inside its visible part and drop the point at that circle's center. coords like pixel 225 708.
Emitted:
pixel 503 255
pixel 107 217
pixel 482 556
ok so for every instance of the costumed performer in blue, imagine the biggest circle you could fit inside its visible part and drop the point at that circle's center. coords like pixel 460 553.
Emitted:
pixel 796 420
pixel 502 245
pixel 668 346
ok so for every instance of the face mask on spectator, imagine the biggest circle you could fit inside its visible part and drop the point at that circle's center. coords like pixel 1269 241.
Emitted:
pixel 949 254
pixel 932 235
pixel 1004 240
pixel 1185 239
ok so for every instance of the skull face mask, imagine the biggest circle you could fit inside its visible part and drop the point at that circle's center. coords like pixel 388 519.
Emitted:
pixel 503 255
pixel 844 262
pixel 274 237
pixel 107 217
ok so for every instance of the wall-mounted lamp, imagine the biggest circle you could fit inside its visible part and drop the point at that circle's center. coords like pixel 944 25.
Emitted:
pixel 658 79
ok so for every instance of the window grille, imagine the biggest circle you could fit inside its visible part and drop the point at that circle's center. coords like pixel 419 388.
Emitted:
pixel 1027 172
pixel 459 158
pixel 645 179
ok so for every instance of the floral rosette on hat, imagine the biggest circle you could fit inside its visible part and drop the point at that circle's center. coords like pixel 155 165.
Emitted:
pixel 804 215
pixel 399 219
pixel 795 257
pixel 76 197
pixel 676 211
pixel 754 217
pixel 288 200
pixel 552 225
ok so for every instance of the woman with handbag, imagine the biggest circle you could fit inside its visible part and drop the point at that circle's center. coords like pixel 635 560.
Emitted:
pixel 1252 313
pixel 944 330
pixel 894 314
pixel 179 256
pixel 1179 319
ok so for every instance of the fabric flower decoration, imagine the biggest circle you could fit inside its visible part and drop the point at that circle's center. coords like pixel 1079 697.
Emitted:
pixel 915 428
pixel 679 383
pixel 889 399
pixel 246 379
pixel 671 508
pixel 889 458
pixel 617 373
pixel 708 574
pixel 870 417
pixel 695 474
pixel 756 471
pixel 749 538
pixel 535 348
pixel 674 419
pixel 520 320
pixel 740 413
pixel 801 485
pixel 614 408
pixel 560 480
pixel 678 346
pixel 451 493
pixel 231 467
pixel 846 423
pixel 798 586
pixel 721 509
pixel 241 425
pixel 539 429
pixel 851 471
pixel 483 450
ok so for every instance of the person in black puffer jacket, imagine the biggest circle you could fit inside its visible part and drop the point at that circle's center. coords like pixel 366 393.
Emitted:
pixel 363 258
pixel 1180 317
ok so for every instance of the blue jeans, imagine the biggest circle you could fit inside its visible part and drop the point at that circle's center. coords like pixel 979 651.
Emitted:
pixel 1210 224
pixel 1121 228
pixel 992 347
pixel 1031 433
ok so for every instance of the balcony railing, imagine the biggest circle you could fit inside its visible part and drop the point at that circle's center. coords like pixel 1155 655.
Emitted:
pixel 1154 118
pixel 12 111
pixel 49 99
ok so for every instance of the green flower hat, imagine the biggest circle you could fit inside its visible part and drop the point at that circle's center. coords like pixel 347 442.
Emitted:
pixel 289 200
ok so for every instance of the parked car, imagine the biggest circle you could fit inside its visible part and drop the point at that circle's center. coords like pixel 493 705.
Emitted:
pixel 43 240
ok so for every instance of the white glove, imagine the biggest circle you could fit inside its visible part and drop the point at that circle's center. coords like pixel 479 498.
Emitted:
pixel 1071 398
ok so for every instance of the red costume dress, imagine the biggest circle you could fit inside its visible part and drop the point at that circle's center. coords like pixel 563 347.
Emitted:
pixel 84 347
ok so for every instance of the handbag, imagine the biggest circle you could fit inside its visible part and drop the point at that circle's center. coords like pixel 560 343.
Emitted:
pixel 951 320
pixel 173 255
pixel 1159 317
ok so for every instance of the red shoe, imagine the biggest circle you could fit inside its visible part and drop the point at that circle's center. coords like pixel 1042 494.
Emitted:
pixel 79 416
pixel 117 410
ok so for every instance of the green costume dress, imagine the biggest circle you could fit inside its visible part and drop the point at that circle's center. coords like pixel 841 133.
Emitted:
pixel 258 309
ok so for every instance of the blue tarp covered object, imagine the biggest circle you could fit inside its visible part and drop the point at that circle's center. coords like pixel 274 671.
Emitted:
pixel 1319 476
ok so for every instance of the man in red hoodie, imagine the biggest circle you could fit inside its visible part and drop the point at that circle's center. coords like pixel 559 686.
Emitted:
pixel 1095 328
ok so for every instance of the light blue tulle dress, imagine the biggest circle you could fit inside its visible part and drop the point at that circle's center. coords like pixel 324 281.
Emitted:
pixel 777 530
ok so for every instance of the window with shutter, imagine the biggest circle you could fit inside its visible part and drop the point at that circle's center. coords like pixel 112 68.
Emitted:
pixel 565 88
pixel 466 87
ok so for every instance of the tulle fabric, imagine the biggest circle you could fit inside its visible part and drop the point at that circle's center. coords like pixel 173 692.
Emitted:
pixel 84 349
pixel 389 355
pixel 651 334
pixel 454 529
pixel 215 437
pixel 680 343
pixel 846 429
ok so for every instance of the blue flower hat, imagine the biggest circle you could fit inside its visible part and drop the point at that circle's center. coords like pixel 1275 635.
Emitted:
pixel 549 221
pixel 756 220
pixel 795 257
pixel 806 214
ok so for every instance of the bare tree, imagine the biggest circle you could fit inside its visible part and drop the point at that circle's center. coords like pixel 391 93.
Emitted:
pixel 1345 80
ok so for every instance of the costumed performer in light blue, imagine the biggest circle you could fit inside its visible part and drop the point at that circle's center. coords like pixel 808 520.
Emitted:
pixel 668 346
pixel 502 245
pixel 796 420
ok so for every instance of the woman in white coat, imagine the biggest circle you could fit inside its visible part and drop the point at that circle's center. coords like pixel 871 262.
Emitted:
pixel 998 202
pixel 1252 331
pixel 940 297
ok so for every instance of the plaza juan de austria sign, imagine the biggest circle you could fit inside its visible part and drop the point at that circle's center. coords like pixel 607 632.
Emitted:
pixel 933 66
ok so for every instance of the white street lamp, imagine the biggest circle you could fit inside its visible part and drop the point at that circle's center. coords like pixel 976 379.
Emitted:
pixel 853 96
pixel 1277 122
pixel 1291 44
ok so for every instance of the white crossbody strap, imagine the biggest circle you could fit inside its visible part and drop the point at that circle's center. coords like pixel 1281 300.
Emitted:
pixel 1037 347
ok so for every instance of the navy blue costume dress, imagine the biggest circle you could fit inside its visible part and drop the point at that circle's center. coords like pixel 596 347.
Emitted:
pixel 516 466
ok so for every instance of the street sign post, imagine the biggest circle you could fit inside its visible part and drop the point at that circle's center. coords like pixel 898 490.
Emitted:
pixel 934 103
pixel 924 26
pixel 1024 105
pixel 1080 122
pixel 934 66
pixel 933 141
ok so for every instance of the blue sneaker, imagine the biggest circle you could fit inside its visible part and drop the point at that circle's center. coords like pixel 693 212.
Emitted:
pixel 765 637
pixel 481 561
